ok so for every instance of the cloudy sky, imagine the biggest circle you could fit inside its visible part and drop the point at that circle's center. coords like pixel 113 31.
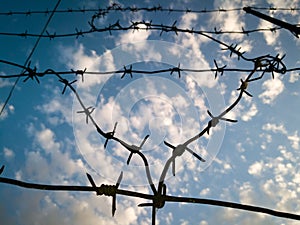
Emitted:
pixel 44 140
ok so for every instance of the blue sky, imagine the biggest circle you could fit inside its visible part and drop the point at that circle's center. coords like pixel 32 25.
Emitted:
pixel 44 140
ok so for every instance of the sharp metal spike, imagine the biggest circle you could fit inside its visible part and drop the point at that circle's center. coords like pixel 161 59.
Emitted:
pixel 113 207
pixel 209 113
pixel 145 204
pixel 92 182
pixel 129 158
pixel 105 144
pixel 195 154
pixel 119 180
pixel 169 145
pixel 248 93
pixel 145 139
pixel 173 167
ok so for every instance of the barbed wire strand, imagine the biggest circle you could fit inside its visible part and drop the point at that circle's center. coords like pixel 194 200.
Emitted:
pixel 167 198
pixel 217 70
pixel 133 9
pixel 80 33
pixel 291 27
pixel 27 61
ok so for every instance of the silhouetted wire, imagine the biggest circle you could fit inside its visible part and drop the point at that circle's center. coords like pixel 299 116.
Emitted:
pixel 158 27
pixel 28 58
pixel 84 72
pixel 133 9
pixel 264 64
pixel 42 74
pixel 167 198
pixel 291 27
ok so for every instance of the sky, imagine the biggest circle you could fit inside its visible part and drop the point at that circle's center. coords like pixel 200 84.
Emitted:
pixel 43 138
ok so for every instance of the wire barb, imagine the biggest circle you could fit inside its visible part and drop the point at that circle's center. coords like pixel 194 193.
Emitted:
pixel 178 151
pixel 31 73
pixel 107 190
pixel 134 149
pixel 66 83
pixel 219 69
pixel 110 135
pixel 215 120
pixel 176 70
pixel 79 72
pixel 243 87
pixel 127 71
pixel 87 111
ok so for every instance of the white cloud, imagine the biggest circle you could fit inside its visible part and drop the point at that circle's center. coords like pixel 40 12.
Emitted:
pixel 272 38
pixel 8 153
pixel 205 192
pixel 8 110
pixel 46 139
pixel 5 82
pixel 275 128
pixel 189 20
pixel 134 36
pixel 294 77
pixel 295 139
pixel 76 58
pixel 229 21
pixel 272 88
pixel 255 169
pixel 250 113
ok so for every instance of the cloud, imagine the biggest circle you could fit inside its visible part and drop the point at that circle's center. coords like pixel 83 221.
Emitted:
pixel 255 169
pixel 294 77
pixel 245 109
pixel 79 58
pixel 275 128
pixel 8 110
pixel 8 153
pixel 271 38
pixel 134 36
pixel 272 88
pixel 295 139
pixel 250 113
pixel 5 82
pixel 229 21
pixel 46 139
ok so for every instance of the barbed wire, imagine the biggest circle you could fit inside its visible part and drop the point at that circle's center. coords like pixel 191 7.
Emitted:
pixel 137 26
pixel 262 65
pixel 111 190
pixel 291 27
pixel 27 61
pixel 33 73
pixel 158 8
pixel 267 64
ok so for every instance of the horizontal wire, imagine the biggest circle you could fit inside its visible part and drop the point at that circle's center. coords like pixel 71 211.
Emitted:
pixel 41 74
pixel 166 198
pixel 81 33
pixel 133 9
pixel 124 71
